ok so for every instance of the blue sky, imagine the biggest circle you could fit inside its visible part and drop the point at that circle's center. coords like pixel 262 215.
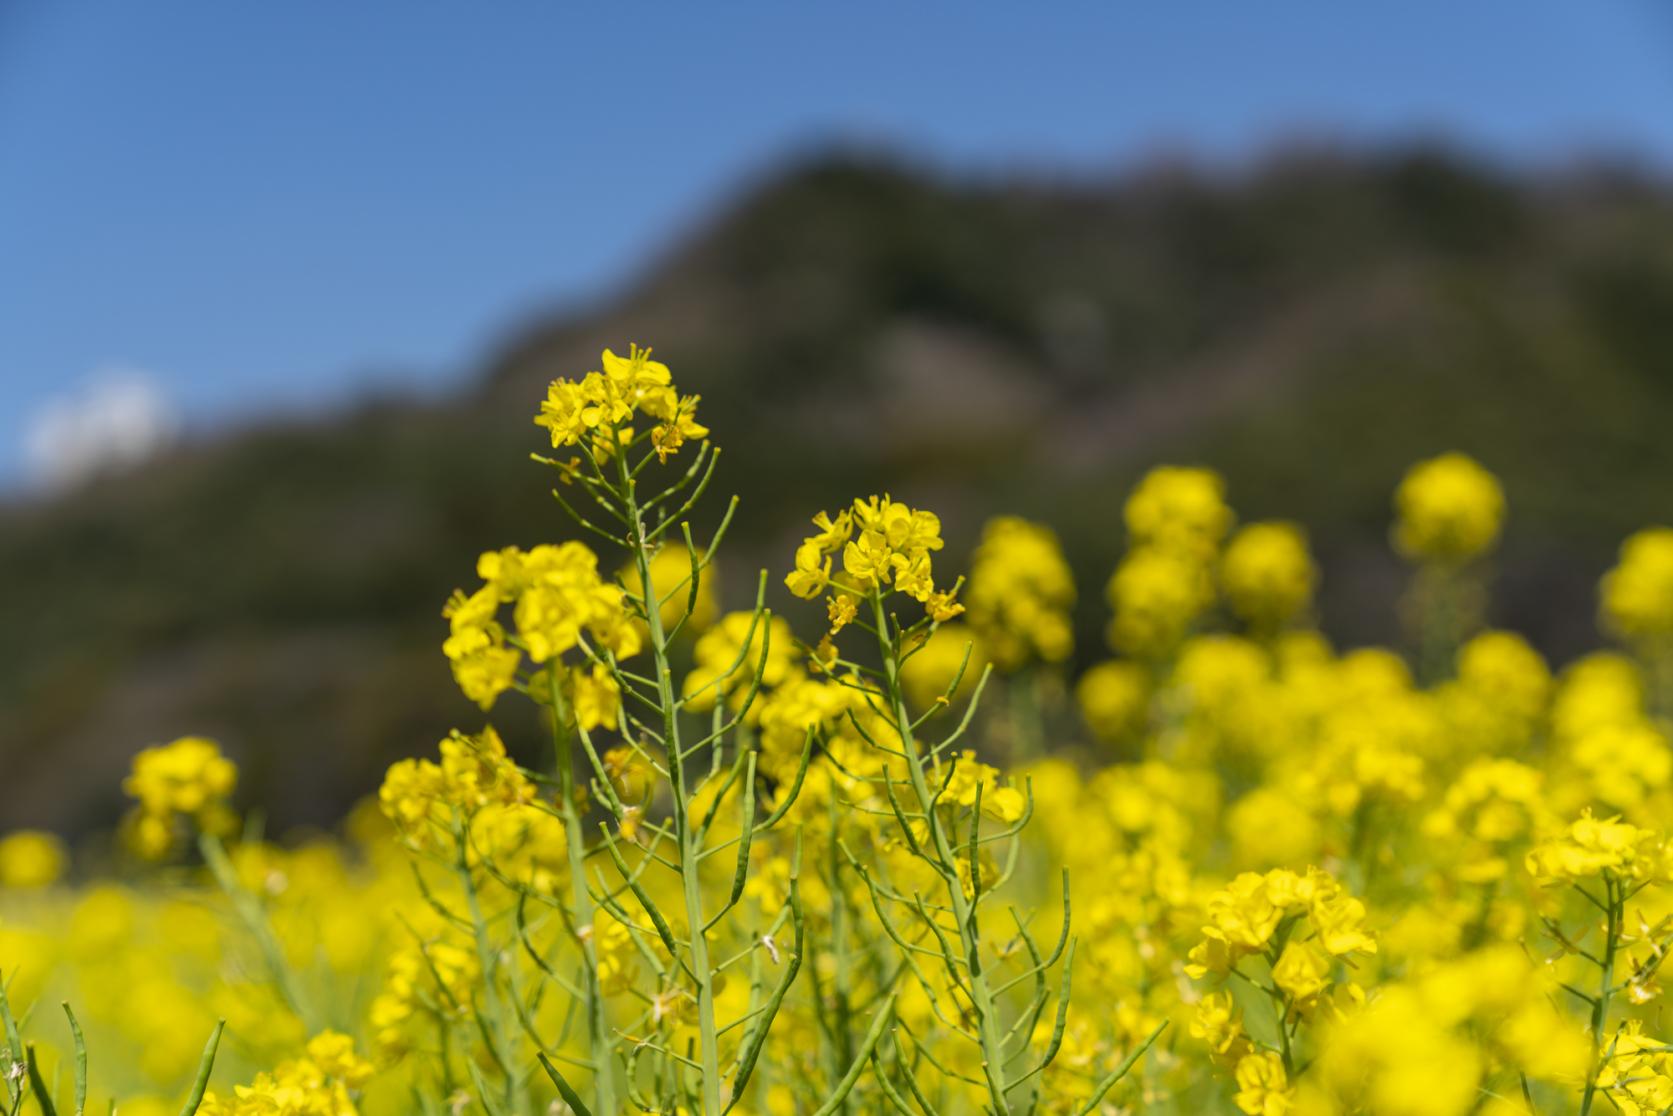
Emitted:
pixel 272 205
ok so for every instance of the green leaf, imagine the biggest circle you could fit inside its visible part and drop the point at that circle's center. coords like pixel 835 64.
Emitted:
pixel 81 1060
pixel 201 1084
pixel 565 1090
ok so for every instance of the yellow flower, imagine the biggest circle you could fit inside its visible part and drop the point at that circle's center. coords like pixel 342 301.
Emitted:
pixel 1114 700
pixel 1638 593
pixel 1367 1062
pixel 320 1083
pixel 30 858
pixel 1638 1075
pixel 188 779
pixel 883 542
pixel 1593 846
pixel 1267 574
pixel 185 777
pixel 1302 971
pixel 423 798
pixel 595 697
pixel 841 610
pixel 812 572
pixel 483 666
pixel 1218 1024
pixel 1179 509
pixel 1340 923
pixel 1004 804
pixel 1268 826
pixel 597 409
pixel 1156 594
pixel 1263 1089
pixel 1020 594
pixel 1449 509
pixel 558 599
pixel 942 606
pixel 523 841
pixel 1243 917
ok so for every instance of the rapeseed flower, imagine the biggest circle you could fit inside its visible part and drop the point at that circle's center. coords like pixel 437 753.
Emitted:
pixel 1020 593
pixel 30 859
pixel 1267 575
pixel 1449 510
pixel 1637 595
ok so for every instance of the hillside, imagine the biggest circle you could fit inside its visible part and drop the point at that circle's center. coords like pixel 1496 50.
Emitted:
pixel 1011 346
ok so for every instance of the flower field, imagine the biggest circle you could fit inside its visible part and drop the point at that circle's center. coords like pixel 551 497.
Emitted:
pixel 885 850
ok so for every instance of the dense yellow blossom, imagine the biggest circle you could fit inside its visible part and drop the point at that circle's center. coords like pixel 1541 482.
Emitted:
pixel 320 1083
pixel 187 776
pixel 1638 592
pixel 594 410
pixel 558 599
pixel 882 543
pixel 1113 698
pixel 1243 918
pixel 186 780
pixel 1317 882
pixel 1592 846
pixel 30 858
pixel 1448 509
pixel 1020 594
pixel 1267 574
pixel 1178 509
pixel 1156 595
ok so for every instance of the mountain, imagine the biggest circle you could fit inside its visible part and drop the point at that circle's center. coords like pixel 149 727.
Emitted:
pixel 853 325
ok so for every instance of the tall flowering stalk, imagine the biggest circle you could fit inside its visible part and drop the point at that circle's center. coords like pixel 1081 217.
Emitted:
pixel 1608 863
pixel 634 825
pixel 1448 515
pixel 930 898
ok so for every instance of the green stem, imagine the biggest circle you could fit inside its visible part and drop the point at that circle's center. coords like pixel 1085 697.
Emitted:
pixel 843 1055
pixel 988 1022
pixel 1606 980
pixel 497 1031
pixel 254 916
pixel 697 944
pixel 1027 722
pixel 600 1043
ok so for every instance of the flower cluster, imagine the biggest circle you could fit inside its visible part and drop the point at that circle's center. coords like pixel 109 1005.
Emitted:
pixel 322 1082
pixel 1321 922
pixel 1179 509
pixel 1448 510
pixel 597 410
pixel 1267 574
pixel 1020 594
pixel 1590 847
pixel 1487 1015
pixel 186 780
pixel 883 544
pixel 1638 592
pixel 430 982
pixel 30 858
pixel 558 599
pixel 744 872
pixel 1176 519
pixel 474 790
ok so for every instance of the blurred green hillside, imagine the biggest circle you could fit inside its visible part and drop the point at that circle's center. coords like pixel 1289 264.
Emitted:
pixel 1009 346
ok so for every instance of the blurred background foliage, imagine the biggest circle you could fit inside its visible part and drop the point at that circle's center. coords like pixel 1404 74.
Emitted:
pixel 855 324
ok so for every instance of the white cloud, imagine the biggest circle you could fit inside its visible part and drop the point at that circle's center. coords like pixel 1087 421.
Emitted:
pixel 116 419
